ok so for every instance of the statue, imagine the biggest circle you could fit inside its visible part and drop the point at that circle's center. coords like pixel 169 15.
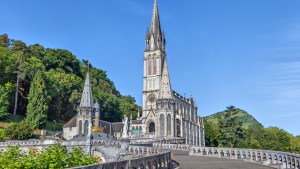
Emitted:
pixel 125 127
pixel 90 129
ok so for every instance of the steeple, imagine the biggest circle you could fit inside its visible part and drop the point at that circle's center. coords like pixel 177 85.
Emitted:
pixel 165 90
pixel 87 97
pixel 155 38
pixel 155 24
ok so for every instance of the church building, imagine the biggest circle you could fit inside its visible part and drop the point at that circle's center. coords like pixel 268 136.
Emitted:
pixel 165 114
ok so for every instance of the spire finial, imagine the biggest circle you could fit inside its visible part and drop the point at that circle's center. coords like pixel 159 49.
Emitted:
pixel 155 24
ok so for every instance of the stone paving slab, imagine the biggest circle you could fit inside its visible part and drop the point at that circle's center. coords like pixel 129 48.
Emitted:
pixel 200 162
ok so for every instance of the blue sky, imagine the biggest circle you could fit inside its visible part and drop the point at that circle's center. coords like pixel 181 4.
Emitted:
pixel 222 52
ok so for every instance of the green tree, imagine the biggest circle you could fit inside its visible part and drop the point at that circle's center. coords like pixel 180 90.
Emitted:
pixel 211 135
pixel 78 158
pixel 109 107
pixel 295 145
pixel 4 41
pixel 4 99
pixel 128 107
pixel 19 131
pixel 11 159
pixel 276 139
pixel 231 131
pixel 37 108
pixel 54 157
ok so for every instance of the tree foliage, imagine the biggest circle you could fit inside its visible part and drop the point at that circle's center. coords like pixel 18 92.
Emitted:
pixel 19 131
pixel 229 132
pixel 62 75
pixel 54 157
pixel 4 99
pixel 37 109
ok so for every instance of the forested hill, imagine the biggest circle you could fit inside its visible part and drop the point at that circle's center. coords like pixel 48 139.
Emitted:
pixel 242 116
pixel 51 82
pixel 234 127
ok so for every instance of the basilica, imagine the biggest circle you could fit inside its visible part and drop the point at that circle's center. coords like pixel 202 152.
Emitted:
pixel 166 115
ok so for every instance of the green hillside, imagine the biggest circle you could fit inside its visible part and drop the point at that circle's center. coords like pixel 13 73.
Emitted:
pixel 47 84
pixel 242 116
pixel 234 127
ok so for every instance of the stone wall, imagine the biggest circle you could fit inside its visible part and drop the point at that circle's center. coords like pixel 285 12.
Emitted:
pixel 109 148
pixel 275 159
pixel 148 158
pixel 264 157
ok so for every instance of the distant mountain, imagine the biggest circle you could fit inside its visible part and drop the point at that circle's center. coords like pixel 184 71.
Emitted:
pixel 245 118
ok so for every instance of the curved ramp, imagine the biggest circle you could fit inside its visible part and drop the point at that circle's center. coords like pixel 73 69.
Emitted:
pixel 199 162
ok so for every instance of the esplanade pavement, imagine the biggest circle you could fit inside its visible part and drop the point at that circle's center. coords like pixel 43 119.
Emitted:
pixel 201 162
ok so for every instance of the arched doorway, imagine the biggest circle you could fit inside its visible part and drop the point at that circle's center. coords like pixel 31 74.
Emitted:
pixel 152 127
pixel 162 124
pixel 80 127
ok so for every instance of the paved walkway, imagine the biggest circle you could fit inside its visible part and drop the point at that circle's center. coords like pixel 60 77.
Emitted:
pixel 197 162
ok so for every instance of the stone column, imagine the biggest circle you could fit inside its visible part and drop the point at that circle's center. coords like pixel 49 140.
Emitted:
pixel 172 125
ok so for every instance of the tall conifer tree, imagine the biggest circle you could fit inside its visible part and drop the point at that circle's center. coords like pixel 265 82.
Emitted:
pixel 37 107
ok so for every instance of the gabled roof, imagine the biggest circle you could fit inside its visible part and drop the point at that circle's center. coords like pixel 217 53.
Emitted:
pixel 71 123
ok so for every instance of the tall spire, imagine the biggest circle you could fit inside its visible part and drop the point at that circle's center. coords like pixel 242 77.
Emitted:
pixel 87 97
pixel 155 24
pixel 165 90
pixel 155 38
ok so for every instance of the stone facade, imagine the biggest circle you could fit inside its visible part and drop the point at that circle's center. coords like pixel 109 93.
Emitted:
pixel 166 114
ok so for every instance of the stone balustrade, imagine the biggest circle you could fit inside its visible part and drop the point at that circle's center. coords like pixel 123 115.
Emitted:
pixel 172 146
pixel 141 150
pixel 265 157
pixel 32 142
pixel 148 158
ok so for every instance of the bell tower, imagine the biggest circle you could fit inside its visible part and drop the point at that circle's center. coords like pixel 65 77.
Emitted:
pixel 154 57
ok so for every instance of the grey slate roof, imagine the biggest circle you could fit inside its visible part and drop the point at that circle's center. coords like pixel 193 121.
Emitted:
pixel 71 123
pixel 136 121
pixel 117 127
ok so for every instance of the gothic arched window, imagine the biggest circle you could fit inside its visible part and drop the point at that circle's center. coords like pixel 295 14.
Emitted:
pixel 80 127
pixel 162 125
pixel 149 66
pixel 169 124
pixel 154 65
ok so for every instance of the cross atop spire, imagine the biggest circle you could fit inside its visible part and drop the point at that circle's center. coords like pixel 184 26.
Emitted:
pixel 155 24
pixel 87 97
